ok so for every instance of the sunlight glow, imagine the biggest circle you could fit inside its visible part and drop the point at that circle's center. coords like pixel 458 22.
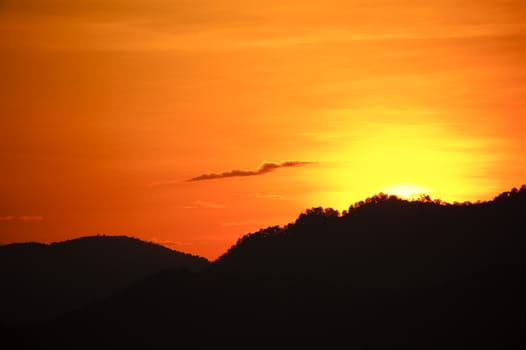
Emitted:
pixel 407 159
pixel 407 191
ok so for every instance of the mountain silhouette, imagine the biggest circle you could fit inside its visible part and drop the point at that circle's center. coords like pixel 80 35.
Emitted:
pixel 387 273
pixel 389 242
pixel 40 281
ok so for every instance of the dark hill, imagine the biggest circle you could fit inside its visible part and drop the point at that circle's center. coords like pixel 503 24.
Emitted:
pixel 389 242
pixel 40 281
pixel 386 274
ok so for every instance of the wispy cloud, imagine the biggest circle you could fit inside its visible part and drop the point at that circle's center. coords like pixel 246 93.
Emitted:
pixel 236 223
pixel 265 195
pixel 203 205
pixel 278 196
pixel 169 242
pixel 22 218
pixel 265 168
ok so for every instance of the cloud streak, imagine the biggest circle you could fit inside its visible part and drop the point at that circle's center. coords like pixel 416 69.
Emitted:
pixel 22 218
pixel 265 168
pixel 203 205
pixel 169 242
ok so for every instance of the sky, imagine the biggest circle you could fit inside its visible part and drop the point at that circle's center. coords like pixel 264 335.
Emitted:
pixel 191 123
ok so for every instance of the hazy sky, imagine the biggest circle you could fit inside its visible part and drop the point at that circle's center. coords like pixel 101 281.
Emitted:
pixel 190 123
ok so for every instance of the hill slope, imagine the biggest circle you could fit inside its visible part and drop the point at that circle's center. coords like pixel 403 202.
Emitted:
pixel 40 281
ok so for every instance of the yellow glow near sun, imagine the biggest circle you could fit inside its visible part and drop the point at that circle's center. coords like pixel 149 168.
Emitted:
pixel 407 191
pixel 404 159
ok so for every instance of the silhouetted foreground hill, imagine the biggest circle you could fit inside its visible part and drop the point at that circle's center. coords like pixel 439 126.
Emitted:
pixel 389 242
pixel 388 273
pixel 40 281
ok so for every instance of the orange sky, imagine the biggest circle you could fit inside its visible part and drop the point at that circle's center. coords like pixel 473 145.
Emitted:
pixel 109 107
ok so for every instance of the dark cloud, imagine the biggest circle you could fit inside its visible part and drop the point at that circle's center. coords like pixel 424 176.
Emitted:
pixel 266 167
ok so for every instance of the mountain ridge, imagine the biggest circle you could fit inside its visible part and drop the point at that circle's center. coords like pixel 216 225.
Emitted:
pixel 386 226
pixel 45 280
